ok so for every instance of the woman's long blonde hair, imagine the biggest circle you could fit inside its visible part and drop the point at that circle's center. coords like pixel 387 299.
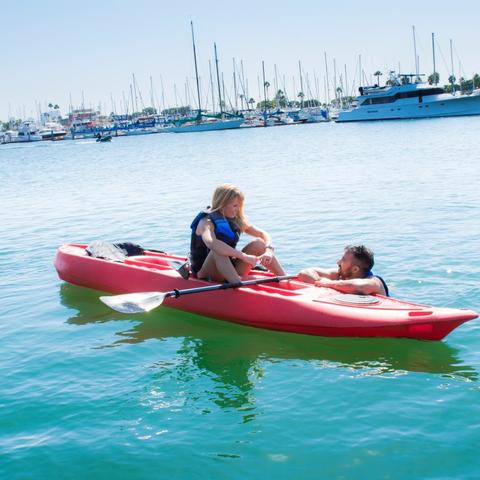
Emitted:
pixel 225 193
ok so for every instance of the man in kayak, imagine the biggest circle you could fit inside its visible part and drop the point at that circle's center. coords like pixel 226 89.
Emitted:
pixel 353 274
pixel 214 238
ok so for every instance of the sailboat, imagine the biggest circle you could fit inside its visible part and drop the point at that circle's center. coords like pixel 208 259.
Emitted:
pixel 206 122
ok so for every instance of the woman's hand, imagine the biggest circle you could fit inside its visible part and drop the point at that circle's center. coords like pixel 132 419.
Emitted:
pixel 266 258
pixel 250 259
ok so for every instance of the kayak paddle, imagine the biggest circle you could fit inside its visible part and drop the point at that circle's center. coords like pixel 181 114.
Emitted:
pixel 146 301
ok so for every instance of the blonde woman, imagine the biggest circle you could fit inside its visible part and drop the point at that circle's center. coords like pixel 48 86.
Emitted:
pixel 215 234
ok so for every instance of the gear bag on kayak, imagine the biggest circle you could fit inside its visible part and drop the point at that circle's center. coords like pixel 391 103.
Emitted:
pixel 114 251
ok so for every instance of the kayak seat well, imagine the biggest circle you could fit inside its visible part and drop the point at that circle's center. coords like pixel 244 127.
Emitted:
pixel 147 261
pixel 284 288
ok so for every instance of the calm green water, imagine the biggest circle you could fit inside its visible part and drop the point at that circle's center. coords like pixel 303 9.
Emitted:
pixel 88 393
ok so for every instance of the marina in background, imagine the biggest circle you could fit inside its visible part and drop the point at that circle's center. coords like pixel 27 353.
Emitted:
pixel 404 96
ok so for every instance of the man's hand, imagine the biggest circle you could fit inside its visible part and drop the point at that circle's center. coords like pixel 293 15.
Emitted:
pixel 325 282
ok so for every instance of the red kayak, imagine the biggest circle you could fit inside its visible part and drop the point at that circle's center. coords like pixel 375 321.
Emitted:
pixel 288 305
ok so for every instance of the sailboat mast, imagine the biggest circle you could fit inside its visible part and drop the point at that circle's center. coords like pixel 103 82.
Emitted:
pixel 196 70
pixel 125 104
pixel 326 74
pixel 335 92
pixel 235 85
pixel 264 84
pixel 112 102
pixel 264 95
pixel 223 91
pixel 163 93
pixel 211 85
pixel 176 97
pixel 277 87
pixel 218 80
pixel 152 100
pixel 301 84
pixel 133 103
pixel 433 53
pixel 245 86
pixel 453 74
pixel 415 51
pixel 346 81
pixel 135 91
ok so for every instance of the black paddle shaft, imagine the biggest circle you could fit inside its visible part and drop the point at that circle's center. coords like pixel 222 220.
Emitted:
pixel 223 286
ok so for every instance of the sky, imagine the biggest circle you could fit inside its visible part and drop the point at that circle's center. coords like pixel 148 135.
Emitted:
pixel 87 52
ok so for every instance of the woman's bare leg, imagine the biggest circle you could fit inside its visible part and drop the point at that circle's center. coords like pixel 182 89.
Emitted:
pixel 218 268
pixel 257 247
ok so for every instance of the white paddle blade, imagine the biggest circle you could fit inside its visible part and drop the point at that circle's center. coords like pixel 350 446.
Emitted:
pixel 134 302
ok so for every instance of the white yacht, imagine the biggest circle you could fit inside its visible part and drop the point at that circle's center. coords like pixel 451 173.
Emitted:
pixel 406 96
pixel 52 131
pixel 27 132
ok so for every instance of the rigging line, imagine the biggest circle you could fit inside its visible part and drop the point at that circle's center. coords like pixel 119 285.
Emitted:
pixel 354 78
pixel 191 93
pixel 242 85
pixel 206 97
pixel 229 100
pixel 422 48
pixel 461 70
pixel 282 85
pixel 309 90
pixel 447 68
pixel 157 101
pixel 139 94
pixel 234 88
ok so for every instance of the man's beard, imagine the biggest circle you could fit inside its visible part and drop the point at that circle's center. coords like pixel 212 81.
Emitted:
pixel 344 274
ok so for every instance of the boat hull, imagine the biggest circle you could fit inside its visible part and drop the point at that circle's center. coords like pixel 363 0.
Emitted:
pixel 450 106
pixel 289 306
pixel 207 126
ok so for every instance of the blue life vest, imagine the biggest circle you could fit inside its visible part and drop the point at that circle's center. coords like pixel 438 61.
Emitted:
pixel 370 275
pixel 225 230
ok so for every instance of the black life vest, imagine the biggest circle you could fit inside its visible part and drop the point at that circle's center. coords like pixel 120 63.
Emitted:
pixel 225 230
pixel 370 274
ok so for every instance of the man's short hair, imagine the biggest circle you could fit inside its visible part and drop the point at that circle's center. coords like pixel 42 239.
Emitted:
pixel 363 257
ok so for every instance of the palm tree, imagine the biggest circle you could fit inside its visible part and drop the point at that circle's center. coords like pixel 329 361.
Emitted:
pixel 251 102
pixel 266 85
pixel 301 96
pixel 377 74
pixel 50 105
pixel 434 78
pixel 476 80
pixel 280 98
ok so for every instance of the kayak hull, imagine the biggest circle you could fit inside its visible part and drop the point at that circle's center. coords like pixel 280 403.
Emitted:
pixel 289 306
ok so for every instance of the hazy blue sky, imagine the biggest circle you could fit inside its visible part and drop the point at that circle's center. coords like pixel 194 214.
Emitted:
pixel 52 49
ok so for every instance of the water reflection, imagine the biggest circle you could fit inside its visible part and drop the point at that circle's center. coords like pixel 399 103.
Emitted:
pixel 233 355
